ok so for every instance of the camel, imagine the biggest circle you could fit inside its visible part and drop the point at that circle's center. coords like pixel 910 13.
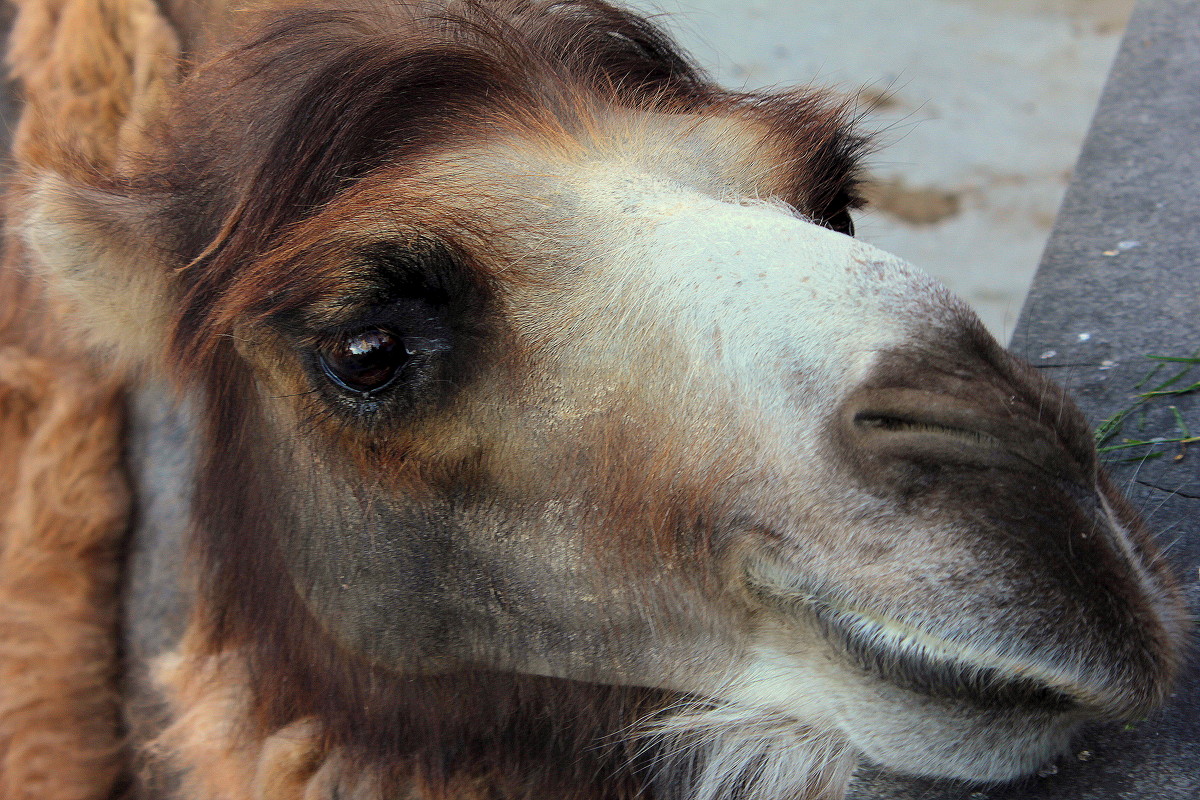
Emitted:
pixel 471 400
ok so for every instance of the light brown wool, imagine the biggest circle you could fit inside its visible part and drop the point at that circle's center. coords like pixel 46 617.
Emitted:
pixel 65 505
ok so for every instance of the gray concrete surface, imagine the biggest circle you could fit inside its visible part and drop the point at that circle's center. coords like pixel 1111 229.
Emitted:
pixel 982 106
pixel 1121 279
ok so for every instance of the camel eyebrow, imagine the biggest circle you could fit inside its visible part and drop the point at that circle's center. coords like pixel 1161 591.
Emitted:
pixel 374 283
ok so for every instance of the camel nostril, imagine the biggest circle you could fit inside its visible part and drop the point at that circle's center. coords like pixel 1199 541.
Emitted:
pixel 885 422
pixel 921 426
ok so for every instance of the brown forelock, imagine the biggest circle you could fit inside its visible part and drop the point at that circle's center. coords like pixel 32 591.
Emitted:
pixel 266 134
pixel 271 131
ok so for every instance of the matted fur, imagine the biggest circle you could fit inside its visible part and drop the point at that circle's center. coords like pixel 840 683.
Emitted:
pixel 220 755
pixel 89 71
pixel 65 506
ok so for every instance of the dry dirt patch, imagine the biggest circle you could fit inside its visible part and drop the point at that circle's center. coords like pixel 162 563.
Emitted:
pixel 1098 16
pixel 914 205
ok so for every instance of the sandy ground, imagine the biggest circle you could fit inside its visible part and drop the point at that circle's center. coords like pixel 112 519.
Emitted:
pixel 980 108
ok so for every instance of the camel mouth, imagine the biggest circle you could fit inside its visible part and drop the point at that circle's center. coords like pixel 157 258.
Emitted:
pixel 923 663
pixel 908 657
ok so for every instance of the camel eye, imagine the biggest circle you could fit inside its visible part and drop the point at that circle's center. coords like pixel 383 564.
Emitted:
pixel 841 222
pixel 364 362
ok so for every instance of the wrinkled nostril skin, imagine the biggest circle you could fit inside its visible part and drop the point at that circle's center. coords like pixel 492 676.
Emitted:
pixel 923 426
pixel 965 400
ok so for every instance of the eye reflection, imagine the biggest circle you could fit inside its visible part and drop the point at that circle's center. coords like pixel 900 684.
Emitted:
pixel 366 361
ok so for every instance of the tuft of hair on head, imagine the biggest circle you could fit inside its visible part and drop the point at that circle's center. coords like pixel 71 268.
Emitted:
pixel 713 751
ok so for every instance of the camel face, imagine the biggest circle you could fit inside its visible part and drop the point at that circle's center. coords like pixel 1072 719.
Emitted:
pixel 693 443
pixel 514 374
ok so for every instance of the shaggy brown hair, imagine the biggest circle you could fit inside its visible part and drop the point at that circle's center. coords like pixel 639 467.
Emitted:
pixel 65 504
